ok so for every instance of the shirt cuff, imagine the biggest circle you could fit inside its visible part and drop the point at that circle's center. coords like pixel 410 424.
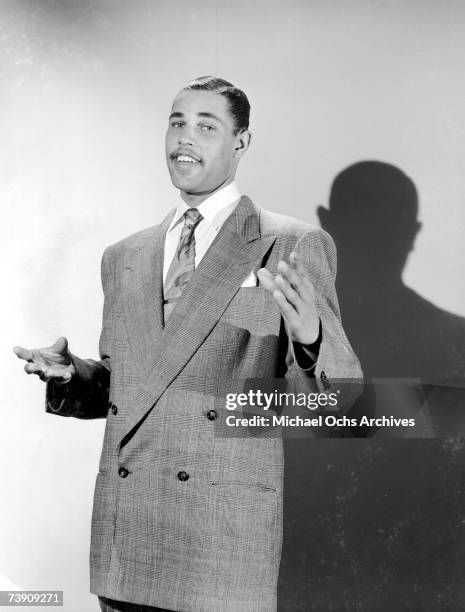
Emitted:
pixel 306 355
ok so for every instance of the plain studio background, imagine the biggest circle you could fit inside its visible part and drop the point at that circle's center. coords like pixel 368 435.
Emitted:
pixel 86 88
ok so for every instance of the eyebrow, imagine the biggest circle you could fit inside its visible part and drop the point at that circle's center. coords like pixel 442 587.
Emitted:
pixel 210 116
pixel 177 115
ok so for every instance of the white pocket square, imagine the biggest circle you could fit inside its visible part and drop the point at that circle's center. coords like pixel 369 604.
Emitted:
pixel 250 281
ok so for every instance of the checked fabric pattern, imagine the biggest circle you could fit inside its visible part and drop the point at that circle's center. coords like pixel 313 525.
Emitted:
pixel 183 265
pixel 152 541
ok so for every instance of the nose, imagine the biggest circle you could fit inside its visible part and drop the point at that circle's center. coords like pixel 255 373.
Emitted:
pixel 185 140
pixel 186 136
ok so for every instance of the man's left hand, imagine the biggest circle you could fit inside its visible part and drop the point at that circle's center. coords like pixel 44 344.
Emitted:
pixel 294 293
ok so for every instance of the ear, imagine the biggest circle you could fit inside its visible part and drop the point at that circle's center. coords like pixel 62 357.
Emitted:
pixel 241 143
pixel 415 229
pixel 324 217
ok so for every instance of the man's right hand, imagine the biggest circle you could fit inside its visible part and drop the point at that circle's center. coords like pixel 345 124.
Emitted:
pixel 49 363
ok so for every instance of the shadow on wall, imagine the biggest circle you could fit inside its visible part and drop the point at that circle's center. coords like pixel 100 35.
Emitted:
pixel 377 523
pixel 395 332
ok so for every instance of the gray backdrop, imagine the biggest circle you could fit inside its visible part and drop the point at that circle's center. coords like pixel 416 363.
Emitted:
pixel 86 87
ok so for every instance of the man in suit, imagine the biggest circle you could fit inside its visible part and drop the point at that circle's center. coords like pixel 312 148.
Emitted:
pixel 186 518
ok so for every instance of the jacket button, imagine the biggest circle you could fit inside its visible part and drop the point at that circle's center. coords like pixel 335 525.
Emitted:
pixel 212 415
pixel 183 476
pixel 325 381
pixel 123 472
pixel 114 409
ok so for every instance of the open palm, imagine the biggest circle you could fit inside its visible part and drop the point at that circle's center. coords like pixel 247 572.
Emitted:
pixel 52 362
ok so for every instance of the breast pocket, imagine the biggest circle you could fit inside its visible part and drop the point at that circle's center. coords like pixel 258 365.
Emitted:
pixel 254 310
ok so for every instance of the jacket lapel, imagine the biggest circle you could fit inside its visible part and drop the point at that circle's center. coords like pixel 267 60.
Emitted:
pixel 143 290
pixel 237 249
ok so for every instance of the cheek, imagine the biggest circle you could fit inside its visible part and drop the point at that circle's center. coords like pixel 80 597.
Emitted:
pixel 216 169
pixel 169 141
pixel 220 159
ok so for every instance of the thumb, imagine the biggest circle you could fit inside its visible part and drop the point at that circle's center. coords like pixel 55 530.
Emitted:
pixel 60 346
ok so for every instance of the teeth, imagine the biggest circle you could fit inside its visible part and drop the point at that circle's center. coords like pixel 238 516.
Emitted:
pixel 186 158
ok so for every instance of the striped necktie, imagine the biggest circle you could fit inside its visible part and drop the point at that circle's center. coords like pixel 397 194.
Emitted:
pixel 183 265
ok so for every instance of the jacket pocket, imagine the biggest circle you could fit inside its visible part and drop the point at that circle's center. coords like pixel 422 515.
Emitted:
pixel 240 484
pixel 245 509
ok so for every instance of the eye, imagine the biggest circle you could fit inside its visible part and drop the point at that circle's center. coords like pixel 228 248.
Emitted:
pixel 207 128
pixel 177 124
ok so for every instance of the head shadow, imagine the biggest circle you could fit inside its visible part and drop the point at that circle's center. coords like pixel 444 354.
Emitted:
pixel 340 552
pixel 373 218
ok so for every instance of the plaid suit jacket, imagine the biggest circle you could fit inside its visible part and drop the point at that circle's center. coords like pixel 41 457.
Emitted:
pixel 185 518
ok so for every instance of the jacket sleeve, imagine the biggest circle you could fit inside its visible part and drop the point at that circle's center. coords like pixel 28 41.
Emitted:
pixel 336 369
pixel 86 396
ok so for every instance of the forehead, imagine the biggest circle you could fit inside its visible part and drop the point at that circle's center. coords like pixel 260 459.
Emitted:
pixel 198 102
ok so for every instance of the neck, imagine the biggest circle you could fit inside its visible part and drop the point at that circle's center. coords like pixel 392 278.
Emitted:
pixel 195 199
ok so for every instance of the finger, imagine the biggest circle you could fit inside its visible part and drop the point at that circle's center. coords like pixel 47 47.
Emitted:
pixel 64 378
pixel 288 291
pixel 60 346
pixel 50 373
pixel 298 267
pixel 293 277
pixel 288 311
pixel 296 263
pixel 23 353
pixel 61 376
pixel 33 368
pixel 44 377
pixel 266 279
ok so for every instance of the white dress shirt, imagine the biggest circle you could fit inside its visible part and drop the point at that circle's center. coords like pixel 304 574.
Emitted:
pixel 214 210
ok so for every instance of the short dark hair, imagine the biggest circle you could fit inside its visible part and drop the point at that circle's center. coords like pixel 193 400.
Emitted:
pixel 239 106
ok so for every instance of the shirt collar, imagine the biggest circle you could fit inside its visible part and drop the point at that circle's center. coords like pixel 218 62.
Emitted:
pixel 212 207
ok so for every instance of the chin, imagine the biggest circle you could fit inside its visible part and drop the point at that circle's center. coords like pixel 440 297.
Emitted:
pixel 183 184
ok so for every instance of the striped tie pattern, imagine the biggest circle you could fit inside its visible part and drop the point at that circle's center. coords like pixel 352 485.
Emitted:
pixel 183 265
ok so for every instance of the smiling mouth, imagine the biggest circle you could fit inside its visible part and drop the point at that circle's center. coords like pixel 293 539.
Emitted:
pixel 185 159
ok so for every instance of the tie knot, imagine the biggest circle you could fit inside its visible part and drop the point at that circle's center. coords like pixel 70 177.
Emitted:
pixel 192 217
